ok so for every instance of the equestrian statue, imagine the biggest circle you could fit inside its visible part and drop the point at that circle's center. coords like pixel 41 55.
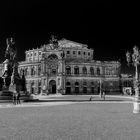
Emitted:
pixel 11 78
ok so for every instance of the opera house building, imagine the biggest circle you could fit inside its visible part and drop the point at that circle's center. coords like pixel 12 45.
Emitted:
pixel 68 67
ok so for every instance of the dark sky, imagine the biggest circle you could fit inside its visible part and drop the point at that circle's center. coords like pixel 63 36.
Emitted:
pixel 109 28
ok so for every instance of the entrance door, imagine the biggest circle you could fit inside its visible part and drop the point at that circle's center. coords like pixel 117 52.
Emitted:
pixel 76 90
pixel 68 90
pixel 92 90
pixel 84 89
pixel 98 89
pixel 52 87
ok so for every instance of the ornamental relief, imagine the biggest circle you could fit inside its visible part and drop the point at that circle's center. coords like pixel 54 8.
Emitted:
pixel 52 64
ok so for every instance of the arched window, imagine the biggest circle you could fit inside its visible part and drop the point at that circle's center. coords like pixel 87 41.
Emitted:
pixel 92 83
pixel 76 84
pixel 84 89
pixel 28 55
pixel 52 56
pixel 21 71
pixel 68 84
pixel 68 88
pixel 32 71
pixel 53 71
pixel 39 53
pixel 68 70
pixel 124 84
pixel 92 89
pixel 98 71
pixel 76 70
pixel 84 70
pixel 129 83
pixel 32 87
pixel 76 87
pixel 25 71
pixel 91 71
pixel 39 70
pixel 39 87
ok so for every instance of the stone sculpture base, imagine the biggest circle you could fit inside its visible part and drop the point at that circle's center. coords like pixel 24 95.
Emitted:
pixel 12 88
pixel 136 106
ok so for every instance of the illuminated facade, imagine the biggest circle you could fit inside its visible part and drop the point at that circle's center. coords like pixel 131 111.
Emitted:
pixel 68 68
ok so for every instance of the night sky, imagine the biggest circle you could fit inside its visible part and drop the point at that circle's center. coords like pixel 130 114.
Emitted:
pixel 109 28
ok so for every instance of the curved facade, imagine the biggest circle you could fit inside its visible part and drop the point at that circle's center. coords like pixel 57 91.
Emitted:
pixel 68 68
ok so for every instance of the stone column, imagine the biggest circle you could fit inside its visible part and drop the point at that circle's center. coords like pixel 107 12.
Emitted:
pixel 29 87
pixel 37 70
pixel 43 90
pixel 88 70
pixel 72 87
pixel 30 70
pixel 95 70
pixel 80 70
pixel 47 85
pixel 36 84
pixel 72 69
pixel 80 86
pixel 42 67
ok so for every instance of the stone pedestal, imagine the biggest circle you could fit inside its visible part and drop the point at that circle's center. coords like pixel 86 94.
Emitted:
pixel 136 107
pixel 59 92
pixel 12 88
pixel 136 104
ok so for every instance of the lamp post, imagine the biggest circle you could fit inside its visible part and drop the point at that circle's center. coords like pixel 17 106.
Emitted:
pixel 134 59
pixel 63 73
pixel 100 87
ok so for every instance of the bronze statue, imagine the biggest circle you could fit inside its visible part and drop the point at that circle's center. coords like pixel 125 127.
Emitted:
pixel 10 55
pixel 11 78
pixel 54 42
pixel 11 50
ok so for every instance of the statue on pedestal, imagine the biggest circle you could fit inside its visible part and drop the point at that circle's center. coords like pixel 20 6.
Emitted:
pixel 11 50
pixel 11 78
pixel 10 55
